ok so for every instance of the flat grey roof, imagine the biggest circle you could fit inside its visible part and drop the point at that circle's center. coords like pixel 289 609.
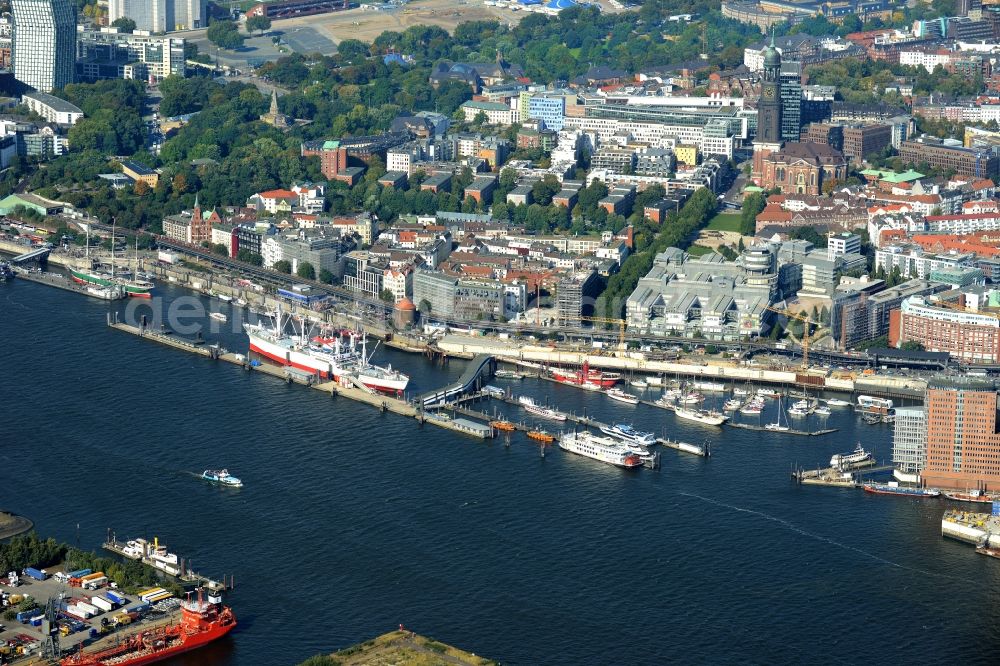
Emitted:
pixel 53 102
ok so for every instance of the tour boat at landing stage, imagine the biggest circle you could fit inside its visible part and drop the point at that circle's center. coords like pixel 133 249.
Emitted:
pixel 326 357
pixel 836 402
pixel 893 488
pixel 201 623
pixel 858 455
pixel 604 449
pixel 586 376
pixel 622 396
pixel 545 412
pixel 627 433
pixel 870 403
pixel 701 416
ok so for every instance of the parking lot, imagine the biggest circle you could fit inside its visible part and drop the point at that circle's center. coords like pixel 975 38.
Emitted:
pixel 25 637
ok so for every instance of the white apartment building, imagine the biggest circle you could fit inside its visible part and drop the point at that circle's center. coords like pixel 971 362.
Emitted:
pixel 914 262
pixel 926 59
pixel 53 109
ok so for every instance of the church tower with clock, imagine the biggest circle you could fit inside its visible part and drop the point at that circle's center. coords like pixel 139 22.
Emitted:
pixel 768 111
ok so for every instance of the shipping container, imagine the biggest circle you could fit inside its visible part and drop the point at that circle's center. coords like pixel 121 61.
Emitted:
pixel 141 608
pixel 90 608
pixel 150 594
pixel 102 603
pixel 94 583
pixel 35 573
pixel 91 576
pixel 168 257
pixel 36 621
pixel 116 597
pixel 80 573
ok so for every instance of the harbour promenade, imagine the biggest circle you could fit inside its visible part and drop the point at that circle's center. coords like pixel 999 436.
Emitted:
pixel 345 388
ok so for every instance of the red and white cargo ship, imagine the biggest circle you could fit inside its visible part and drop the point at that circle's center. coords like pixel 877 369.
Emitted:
pixel 329 358
pixel 587 377
pixel 201 623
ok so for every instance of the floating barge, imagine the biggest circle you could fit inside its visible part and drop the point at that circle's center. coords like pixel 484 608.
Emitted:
pixel 155 555
pixel 804 433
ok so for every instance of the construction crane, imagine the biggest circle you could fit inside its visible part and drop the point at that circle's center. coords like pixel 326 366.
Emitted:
pixel 605 320
pixel 806 321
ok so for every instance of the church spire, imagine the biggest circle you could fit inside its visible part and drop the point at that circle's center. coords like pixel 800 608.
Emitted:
pixel 274 100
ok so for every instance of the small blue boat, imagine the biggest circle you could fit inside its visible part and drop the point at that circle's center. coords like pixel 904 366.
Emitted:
pixel 222 477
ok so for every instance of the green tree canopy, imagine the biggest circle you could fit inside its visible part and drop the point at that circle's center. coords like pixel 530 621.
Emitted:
pixel 225 34
pixel 306 271
pixel 258 24
pixel 124 23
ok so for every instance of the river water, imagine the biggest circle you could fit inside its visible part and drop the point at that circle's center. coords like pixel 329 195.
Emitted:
pixel 352 522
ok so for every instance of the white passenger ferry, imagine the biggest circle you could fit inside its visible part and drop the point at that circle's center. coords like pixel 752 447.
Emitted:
pixel 604 449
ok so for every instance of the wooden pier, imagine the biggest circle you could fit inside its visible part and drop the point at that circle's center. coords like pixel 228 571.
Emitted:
pixel 345 389
pixel 840 478
pixel 790 431
pixel 456 406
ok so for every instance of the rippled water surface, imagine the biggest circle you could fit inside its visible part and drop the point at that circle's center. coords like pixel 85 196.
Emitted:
pixel 352 521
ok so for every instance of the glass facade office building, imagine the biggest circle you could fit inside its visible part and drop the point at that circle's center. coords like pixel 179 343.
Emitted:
pixel 44 49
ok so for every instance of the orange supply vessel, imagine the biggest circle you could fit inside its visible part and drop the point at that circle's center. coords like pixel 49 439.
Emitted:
pixel 201 623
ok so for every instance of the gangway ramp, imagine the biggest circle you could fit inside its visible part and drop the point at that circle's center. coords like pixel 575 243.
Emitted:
pixel 39 254
pixel 481 369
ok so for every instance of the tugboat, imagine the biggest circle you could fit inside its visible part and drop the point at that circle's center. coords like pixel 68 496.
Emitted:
pixel 201 623
pixel 222 477
pixel 541 436
pixel 970 496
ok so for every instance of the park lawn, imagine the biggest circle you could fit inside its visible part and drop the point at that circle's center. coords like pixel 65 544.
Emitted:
pixel 698 250
pixel 725 222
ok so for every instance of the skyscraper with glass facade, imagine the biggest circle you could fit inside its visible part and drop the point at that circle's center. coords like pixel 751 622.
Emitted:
pixel 44 43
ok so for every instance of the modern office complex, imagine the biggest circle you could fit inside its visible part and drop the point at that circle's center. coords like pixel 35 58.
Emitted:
pixel 963 443
pixel 112 55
